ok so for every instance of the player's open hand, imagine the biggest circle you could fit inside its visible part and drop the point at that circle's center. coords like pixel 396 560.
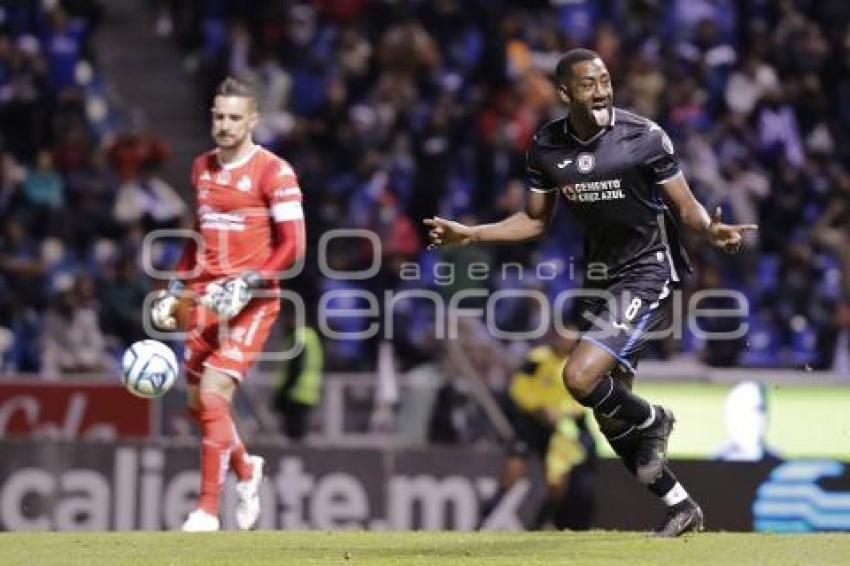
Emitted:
pixel 728 237
pixel 447 232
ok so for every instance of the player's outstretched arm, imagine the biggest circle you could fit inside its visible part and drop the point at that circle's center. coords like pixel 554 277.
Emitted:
pixel 728 237
pixel 526 225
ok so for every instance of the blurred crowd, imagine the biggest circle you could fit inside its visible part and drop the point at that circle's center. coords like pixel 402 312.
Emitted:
pixel 394 111
pixel 78 193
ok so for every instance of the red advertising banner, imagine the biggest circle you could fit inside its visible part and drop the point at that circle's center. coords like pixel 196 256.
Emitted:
pixel 72 410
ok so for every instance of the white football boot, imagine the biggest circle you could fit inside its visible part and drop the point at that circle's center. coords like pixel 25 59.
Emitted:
pixel 248 491
pixel 199 521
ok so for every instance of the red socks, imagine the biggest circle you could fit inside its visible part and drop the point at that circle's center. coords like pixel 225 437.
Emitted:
pixel 217 434
pixel 238 455
pixel 239 459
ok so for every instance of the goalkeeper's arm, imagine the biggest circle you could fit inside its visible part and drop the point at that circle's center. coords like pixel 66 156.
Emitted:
pixel 189 257
pixel 290 246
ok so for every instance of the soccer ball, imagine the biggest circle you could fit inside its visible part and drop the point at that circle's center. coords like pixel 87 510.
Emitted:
pixel 148 369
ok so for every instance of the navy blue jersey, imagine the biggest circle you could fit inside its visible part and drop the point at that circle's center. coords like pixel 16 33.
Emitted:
pixel 611 186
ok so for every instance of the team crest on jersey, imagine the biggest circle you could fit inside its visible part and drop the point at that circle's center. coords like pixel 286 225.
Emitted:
pixel 223 177
pixel 244 184
pixel 585 162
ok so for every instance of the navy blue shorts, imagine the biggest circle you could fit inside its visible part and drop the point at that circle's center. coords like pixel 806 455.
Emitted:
pixel 624 317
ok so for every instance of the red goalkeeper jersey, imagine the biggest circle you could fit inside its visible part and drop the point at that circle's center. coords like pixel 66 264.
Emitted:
pixel 237 206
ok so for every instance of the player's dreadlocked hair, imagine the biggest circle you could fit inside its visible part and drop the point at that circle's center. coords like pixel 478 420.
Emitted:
pixel 233 87
pixel 564 69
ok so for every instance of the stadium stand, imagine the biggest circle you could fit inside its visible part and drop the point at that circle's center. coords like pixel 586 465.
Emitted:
pixel 395 111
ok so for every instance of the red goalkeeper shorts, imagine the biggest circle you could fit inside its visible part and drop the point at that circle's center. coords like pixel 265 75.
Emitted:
pixel 230 346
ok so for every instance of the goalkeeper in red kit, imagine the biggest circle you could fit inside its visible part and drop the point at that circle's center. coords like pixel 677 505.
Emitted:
pixel 251 228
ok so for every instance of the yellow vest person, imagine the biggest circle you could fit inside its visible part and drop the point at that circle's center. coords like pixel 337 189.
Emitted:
pixel 298 387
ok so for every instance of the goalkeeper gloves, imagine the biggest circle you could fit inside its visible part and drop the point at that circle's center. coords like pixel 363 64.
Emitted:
pixel 227 298
pixel 164 307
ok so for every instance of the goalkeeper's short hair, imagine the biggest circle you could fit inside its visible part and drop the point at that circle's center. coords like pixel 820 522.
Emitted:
pixel 235 87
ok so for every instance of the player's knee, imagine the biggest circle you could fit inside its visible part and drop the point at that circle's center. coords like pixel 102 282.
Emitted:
pixel 218 382
pixel 579 379
pixel 212 402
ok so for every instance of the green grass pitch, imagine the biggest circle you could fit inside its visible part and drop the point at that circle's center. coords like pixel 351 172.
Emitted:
pixel 455 549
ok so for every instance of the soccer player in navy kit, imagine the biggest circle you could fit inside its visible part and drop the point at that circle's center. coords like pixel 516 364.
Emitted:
pixel 616 172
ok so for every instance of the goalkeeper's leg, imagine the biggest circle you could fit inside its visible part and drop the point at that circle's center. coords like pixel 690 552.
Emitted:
pixel 198 352
pixel 214 396
pixel 240 460
pixel 223 368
